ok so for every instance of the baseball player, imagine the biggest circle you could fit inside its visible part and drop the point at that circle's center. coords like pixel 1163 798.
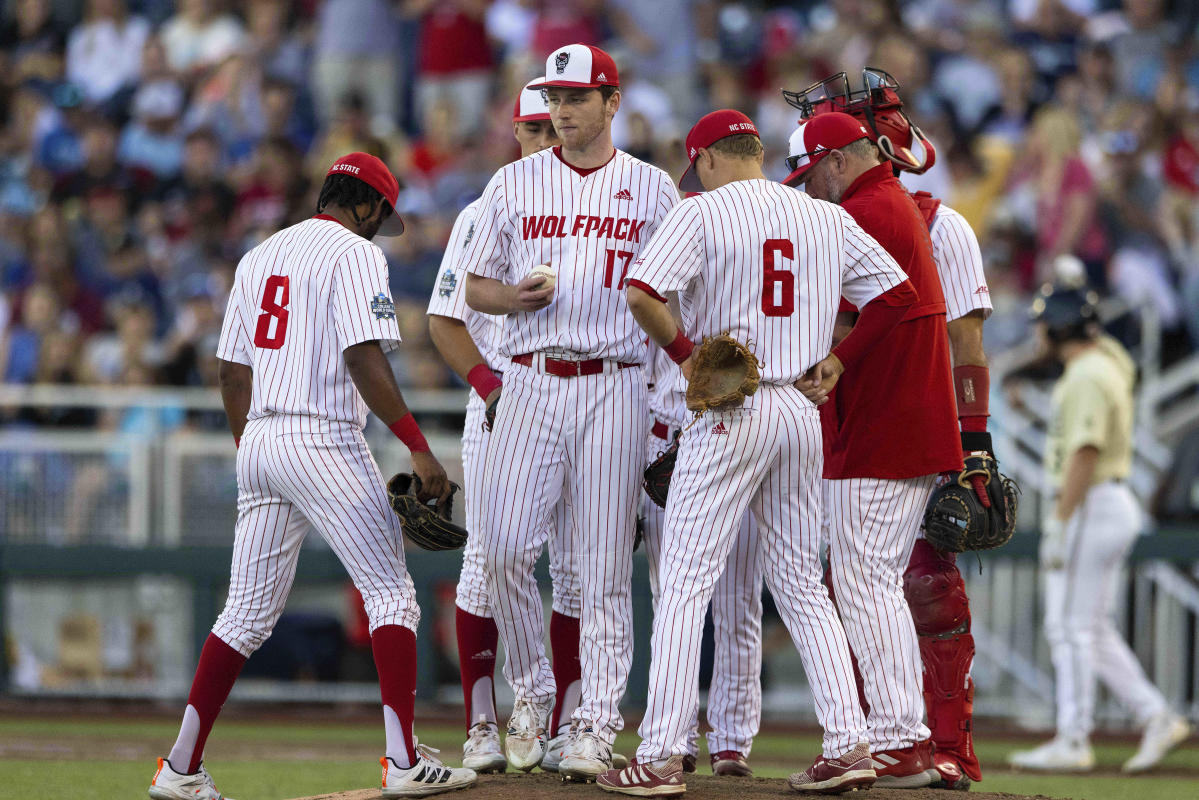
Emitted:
pixel 735 695
pixel 768 265
pixel 302 359
pixel 877 480
pixel 467 341
pixel 1086 538
pixel 572 418
pixel 933 586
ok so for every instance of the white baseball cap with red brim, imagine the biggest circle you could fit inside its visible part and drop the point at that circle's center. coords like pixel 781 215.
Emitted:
pixel 579 66
pixel 815 138
pixel 530 103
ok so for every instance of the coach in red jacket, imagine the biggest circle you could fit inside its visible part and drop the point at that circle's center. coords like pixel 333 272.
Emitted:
pixel 890 429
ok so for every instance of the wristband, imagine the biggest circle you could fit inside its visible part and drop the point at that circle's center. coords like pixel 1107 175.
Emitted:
pixel 680 349
pixel 483 380
pixel 408 432
pixel 971 388
pixel 977 441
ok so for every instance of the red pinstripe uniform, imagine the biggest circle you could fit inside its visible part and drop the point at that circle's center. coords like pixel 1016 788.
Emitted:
pixel 574 439
pixel 768 264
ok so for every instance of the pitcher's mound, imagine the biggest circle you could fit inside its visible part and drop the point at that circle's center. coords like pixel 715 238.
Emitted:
pixel 543 786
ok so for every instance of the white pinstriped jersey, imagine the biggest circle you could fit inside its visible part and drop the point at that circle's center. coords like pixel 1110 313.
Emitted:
pixel 667 398
pixel 589 227
pixel 449 293
pixel 959 264
pixel 768 264
pixel 299 299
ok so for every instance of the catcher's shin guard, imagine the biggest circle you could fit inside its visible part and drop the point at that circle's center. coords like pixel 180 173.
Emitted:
pixel 936 595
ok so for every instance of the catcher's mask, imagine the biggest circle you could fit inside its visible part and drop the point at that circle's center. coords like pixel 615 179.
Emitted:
pixel 877 104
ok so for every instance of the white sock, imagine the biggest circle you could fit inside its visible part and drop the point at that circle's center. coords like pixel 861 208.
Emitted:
pixel 185 744
pixel 397 747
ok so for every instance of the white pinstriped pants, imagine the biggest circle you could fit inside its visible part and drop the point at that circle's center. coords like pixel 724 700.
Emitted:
pixel 579 440
pixel 872 526
pixel 735 696
pixel 1084 641
pixel 765 457
pixel 287 483
pixel 473 596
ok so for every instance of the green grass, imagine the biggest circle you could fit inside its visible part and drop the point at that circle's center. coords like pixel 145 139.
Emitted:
pixel 354 749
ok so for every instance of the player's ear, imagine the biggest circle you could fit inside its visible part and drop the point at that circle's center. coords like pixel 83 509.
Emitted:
pixel 614 102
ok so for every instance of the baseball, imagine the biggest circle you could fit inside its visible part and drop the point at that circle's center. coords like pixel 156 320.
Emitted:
pixel 550 274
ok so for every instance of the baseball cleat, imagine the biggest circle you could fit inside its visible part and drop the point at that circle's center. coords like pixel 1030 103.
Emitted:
pixel 730 763
pixel 427 776
pixel 168 784
pixel 661 779
pixel 525 743
pixel 905 767
pixel 482 751
pixel 950 774
pixel 847 772
pixel 1056 755
pixel 554 749
pixel 1164 732
pixel 586 757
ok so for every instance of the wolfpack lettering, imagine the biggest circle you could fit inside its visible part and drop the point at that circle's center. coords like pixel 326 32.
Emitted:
pixel 551 227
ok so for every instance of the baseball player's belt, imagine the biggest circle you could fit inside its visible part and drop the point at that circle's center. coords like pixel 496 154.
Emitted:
pixel 567 369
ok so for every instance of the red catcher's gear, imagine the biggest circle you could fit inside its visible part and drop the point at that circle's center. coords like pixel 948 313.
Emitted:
pixel 936 595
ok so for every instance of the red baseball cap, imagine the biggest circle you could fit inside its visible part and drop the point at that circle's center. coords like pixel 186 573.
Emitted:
pixel 579 66
pixel 530 104
pixel 710 129
pixel 815 138
pixel 375 174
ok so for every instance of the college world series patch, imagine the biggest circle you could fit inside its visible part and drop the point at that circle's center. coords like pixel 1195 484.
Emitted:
pixel 448 283
pixel 382 307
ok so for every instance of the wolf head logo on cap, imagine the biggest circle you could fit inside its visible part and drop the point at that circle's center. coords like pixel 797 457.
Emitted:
pixel 561 61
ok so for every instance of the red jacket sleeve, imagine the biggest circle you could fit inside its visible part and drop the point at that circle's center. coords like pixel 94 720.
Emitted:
pixel 877 319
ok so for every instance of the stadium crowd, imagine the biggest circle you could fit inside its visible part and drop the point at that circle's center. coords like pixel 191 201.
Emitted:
pixel 145 145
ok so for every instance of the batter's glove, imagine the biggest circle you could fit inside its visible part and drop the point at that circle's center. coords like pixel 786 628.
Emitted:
pixel 724 372
pixel 963 516
pixel 657 474
pixel 427 525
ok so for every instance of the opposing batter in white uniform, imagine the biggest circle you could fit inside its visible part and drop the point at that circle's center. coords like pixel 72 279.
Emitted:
pixel 735 695
pixel 768 265
pixel 301 351
pixel 572 418
pixel 468 342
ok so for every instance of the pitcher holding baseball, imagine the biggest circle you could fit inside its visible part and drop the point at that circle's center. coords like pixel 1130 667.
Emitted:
pixel 571 422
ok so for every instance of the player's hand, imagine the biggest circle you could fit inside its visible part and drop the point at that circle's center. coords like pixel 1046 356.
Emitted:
pixel 528 297
pixel 818 382
pixel 492 402
pixel 434 483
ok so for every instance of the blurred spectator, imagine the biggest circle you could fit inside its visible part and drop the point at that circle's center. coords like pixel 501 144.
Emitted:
pixel 198 203
pixel 455 59
pixel 100 168
pixel 104 53
pixel 277 51
pixel 41 310
pixel 31 42
pixel 356 43
pixel 199 37
pixel 1141 51
pixel 267 201
pixel 107 356
pixel 153 139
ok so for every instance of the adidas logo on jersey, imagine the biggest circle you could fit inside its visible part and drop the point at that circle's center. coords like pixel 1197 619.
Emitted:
pixel 719 430
pixel 982 290
pixel 623 194
pixel 485 654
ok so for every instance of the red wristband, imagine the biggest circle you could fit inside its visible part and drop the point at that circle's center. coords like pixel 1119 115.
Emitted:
pixel 971 388
pixel 680 348
pixel 237 442
pixel 408 432
pixel 483 380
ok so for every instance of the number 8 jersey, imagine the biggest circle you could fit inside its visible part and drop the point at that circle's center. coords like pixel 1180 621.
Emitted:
pixel 768 264
pixel 298 300
pixel 588 225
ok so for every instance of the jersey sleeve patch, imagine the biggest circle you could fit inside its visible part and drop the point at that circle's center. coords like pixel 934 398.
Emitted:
pixel 382 307
pixel 448 283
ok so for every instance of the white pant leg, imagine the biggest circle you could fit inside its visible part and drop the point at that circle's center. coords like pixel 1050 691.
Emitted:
pixel 873 525
pixel 525 469
pixel 788 510
pixel 735 697
pixel 472 595
pixel 566 586
pixel 606 457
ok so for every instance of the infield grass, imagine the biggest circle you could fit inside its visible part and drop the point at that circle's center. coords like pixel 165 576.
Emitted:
pixel 106 759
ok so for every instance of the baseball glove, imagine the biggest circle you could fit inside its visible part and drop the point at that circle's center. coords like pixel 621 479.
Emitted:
pixel 657 474
pixel 428 526
pixel 969 514
pixel 723 374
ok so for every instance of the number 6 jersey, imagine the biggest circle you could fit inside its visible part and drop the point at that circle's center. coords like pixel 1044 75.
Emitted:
pixel 768 264
pixel 298 300
pixel 588 225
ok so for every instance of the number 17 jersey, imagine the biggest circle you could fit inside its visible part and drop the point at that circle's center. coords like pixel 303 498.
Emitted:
pixel 768 264
pixel 298 300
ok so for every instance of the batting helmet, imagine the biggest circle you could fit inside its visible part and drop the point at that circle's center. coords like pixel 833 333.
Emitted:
pixel 1068 312
pixel 877 104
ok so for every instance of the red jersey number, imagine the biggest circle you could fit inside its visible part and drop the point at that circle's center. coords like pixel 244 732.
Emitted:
pixel 783 279
pixel 274 307
pixel 610 268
